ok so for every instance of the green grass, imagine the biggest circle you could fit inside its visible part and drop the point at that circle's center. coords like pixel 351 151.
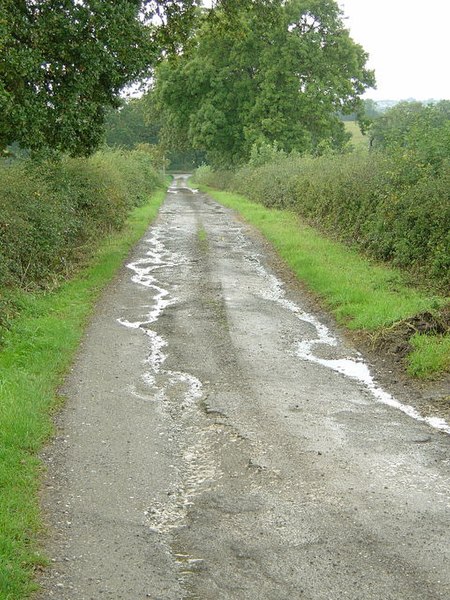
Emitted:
pixel 428 358
pixel 201 235
pixel 358 140
pixel 37 351
pixel 362 295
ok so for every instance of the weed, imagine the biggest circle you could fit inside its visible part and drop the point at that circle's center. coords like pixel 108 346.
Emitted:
pixel 201 234
pixel 430 355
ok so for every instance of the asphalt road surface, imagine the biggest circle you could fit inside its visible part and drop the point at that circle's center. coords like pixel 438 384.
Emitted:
pixel 220 441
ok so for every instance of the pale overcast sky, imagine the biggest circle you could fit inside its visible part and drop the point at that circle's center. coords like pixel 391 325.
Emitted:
pixel 408 42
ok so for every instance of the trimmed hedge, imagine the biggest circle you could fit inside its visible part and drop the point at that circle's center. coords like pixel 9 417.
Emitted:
pixel 395 208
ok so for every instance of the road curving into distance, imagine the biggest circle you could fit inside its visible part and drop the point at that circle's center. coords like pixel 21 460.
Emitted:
pixel 220 441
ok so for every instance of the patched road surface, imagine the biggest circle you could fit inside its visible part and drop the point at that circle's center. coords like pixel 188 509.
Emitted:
pixel 220 441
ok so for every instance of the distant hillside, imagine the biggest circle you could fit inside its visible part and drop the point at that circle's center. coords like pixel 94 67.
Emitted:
pixel 383 105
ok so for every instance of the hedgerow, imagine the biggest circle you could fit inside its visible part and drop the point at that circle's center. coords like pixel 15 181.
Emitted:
pixel 393 202
pixel 392 206
pixel 51 212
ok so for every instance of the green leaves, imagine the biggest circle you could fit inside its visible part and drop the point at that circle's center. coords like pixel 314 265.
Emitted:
pixel 52 211
pixel 62 63
pixel 246 70
pixel 279 79
pixel 415 132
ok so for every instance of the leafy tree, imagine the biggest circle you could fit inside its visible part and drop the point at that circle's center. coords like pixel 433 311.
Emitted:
pixel 63 63
pixel 415 132
pixel 280 80
pixel 367 113
pixel 371 109
pixel 391 129
pixel 137 124
pixel 128 126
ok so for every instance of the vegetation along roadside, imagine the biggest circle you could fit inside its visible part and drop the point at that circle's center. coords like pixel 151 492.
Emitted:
pixel 37 349
pixel 369 231
pixel 363 295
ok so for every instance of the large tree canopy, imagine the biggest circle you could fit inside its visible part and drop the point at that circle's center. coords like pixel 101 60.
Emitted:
pixel 60 64
pixel 63 62
pixel 281 79
pixel 127 127
pixel 254 72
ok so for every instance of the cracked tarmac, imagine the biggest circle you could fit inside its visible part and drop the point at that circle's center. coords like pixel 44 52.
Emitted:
pixel 213 446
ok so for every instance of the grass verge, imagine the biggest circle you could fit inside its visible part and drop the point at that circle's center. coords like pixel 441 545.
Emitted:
pixel 362 295
pixel 429 357
pixel 37 351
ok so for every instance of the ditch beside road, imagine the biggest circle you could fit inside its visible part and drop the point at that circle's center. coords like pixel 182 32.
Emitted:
pixel 221 440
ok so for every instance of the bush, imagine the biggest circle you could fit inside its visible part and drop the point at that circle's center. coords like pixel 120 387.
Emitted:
pixel 205 175
pixel 393 206
pixel 52 212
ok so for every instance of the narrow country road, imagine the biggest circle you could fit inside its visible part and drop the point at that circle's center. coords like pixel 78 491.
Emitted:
pixel 221 442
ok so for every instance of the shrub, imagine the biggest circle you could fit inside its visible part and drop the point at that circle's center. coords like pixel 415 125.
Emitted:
pixel 52 212
pixel 394 207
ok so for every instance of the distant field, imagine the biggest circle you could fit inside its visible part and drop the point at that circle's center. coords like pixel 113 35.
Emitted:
pixel 360 141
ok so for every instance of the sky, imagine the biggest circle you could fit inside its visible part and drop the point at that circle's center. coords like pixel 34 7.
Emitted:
pixel 408 42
